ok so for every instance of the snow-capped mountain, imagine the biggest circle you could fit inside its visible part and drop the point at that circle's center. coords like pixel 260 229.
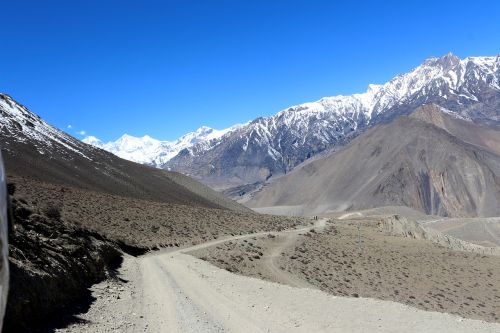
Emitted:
pixel 269 146
pixel 147 150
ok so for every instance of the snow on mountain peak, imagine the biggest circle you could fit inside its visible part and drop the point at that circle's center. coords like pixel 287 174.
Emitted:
pixel 92 140
pixel 447 72
pixel 445 61
pixel 151 151
pixel 278 143
pixel 381 97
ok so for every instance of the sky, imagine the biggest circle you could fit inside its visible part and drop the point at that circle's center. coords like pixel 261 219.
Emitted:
pixel 164 68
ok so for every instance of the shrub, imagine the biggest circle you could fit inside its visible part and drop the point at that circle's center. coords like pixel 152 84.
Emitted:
pixel 53 212
pixel 11 188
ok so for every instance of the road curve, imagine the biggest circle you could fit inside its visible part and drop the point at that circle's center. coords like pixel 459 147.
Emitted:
pixel 175 292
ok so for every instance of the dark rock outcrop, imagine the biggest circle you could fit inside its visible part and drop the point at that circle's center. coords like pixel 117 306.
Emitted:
pixel 52 266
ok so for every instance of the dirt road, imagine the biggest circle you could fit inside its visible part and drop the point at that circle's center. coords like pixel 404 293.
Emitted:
pixel 175 292
pixel 287 239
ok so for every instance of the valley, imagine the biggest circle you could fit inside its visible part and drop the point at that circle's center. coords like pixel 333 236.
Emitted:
pixel 372 212
pixel 269 147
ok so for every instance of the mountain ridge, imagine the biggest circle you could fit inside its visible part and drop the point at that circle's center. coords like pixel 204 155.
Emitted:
pixel 267 147
pixel 398 163
pixel 274 145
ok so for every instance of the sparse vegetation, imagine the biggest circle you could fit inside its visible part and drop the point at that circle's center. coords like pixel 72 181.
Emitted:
pixel 411 271
pixel 141 223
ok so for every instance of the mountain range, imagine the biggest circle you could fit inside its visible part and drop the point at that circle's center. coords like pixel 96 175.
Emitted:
pixel 272 146
pixel 339 153
pixel 153 152
pixel 431 161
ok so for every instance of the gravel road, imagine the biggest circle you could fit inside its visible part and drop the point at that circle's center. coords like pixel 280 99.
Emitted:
pixel 175 292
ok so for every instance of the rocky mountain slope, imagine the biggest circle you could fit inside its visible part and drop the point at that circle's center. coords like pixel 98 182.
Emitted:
pixel 32 148
pixel 430 161
pixel 469 88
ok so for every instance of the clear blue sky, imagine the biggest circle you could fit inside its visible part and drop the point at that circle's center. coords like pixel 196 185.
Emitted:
pixel 167 67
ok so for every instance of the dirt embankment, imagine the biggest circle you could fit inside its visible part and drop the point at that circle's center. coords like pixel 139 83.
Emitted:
pixel 400 226
pixel 370 263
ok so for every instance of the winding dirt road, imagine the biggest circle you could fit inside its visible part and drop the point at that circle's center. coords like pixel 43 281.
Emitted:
pixel 175 292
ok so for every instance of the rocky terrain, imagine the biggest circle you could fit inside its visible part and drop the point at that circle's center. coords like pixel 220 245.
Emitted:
pixel 154 224
pixel 481 231
pixel 82 216
pixel 65 239
pixel 399 163
pixel 397 225
pixel 172 291
pixel 52 265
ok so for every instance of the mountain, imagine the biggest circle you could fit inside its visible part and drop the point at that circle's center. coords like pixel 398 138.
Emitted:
pixel 153 152
pixel 267 147
pixel 432 161
pixel 33 148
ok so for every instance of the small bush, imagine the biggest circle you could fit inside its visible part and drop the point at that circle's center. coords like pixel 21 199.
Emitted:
pixel 52 212
pixel 23 212
pixel 11 188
